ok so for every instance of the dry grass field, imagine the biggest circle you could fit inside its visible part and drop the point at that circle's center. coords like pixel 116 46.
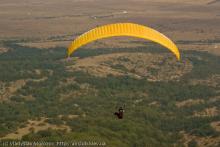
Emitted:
pixel 40 20
pixel 35 126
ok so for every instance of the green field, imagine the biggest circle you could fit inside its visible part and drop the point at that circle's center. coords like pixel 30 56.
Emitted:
pixel 143 125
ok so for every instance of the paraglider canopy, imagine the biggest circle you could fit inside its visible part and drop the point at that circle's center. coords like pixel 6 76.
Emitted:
pixel 123 29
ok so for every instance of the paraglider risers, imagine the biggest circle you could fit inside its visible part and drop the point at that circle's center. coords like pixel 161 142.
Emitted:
pixel 68 58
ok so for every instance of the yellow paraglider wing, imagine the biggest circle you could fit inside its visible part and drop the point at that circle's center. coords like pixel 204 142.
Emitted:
pixel 123 29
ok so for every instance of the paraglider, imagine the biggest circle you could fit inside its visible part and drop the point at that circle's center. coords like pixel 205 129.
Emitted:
pixel 123 29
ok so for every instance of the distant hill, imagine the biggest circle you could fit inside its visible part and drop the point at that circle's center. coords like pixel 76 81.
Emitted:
pixel 213 2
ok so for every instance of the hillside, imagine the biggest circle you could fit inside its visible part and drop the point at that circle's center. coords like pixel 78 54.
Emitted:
pixel 76 98
pixel 46 98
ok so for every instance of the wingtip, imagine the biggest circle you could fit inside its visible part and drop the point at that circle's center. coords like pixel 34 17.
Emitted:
pixel 178 57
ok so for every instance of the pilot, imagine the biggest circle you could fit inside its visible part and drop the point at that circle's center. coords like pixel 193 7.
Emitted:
pixel 120 113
